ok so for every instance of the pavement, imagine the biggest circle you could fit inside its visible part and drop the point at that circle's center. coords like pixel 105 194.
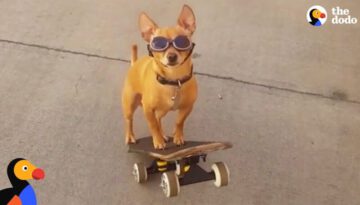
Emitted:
pixel 290 100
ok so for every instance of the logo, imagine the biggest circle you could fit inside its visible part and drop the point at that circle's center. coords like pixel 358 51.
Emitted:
pixel 19 171
pixel 316 15
pixel 342 16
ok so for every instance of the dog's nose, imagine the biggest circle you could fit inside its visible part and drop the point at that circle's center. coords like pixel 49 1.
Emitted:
pixel 172 57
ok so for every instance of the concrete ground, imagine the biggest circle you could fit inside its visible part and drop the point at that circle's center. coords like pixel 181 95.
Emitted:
pixel 290 100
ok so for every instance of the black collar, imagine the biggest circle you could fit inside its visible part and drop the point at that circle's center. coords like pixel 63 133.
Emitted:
pixel 178 82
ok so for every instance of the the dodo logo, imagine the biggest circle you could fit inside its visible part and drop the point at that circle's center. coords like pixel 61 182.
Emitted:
pixel 316 15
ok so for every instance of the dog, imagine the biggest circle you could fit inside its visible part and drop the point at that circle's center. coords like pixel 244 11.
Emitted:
pixel 162 81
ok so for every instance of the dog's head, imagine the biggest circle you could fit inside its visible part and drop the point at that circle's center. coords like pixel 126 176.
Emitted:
pixel 170 46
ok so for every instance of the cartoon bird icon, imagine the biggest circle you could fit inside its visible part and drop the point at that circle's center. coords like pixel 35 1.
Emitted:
pixel 22 193
pixel 315 15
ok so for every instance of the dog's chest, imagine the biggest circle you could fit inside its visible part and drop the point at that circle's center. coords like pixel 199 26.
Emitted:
pixel 172 98
pixel 169 98
pixel 175 99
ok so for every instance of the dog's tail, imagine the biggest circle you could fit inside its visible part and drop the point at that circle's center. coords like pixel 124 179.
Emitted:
pixel 133 54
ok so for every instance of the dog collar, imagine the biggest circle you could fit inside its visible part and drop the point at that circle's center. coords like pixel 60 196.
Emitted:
pixel 162 80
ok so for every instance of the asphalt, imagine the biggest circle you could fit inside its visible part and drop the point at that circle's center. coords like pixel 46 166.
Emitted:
pixel 284 93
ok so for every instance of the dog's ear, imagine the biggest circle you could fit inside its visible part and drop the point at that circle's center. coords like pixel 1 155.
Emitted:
pixel 187 19
pixel 147 26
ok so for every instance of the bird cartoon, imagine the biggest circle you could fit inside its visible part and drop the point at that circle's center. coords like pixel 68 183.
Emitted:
pixel 315 16
pixel 22 193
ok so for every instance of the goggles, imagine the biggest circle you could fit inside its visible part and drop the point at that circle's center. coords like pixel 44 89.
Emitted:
pixel 180 43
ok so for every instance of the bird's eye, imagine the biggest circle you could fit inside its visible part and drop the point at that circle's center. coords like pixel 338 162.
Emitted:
pixel 25 168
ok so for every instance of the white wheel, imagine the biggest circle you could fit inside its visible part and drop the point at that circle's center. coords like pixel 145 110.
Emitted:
pixel 170 184
pixel 222 174
pixel 139 172
pixel 178 169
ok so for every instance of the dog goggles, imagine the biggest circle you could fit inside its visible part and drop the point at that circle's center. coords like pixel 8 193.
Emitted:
pixel 181 43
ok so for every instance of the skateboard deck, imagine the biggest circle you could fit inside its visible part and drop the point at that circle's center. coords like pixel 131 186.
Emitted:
pixel 174 152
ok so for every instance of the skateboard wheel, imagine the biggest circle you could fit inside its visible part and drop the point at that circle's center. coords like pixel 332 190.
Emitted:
pixel 222 174
pixel 139 172
pixel 180 168
pixel 170 184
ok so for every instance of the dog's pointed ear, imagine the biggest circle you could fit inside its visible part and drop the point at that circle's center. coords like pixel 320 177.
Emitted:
pixel 187 19
pixel 147 26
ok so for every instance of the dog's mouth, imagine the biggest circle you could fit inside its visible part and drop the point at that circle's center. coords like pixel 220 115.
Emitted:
pixel 172 64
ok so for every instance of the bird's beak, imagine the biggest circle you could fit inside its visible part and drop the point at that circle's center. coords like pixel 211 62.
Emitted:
pixel 38 174
pixel 322 15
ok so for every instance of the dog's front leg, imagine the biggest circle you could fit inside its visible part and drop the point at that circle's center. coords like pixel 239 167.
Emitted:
pixel 162 131
pixel 179 127
pixel 153 123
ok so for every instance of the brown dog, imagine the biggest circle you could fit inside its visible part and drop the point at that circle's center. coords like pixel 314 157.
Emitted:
pixel 162 81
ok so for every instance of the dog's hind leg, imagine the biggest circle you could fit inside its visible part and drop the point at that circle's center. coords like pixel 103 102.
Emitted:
pixel 130 101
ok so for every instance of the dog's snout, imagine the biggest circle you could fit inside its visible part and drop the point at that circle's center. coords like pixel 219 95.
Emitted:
pixel 172 57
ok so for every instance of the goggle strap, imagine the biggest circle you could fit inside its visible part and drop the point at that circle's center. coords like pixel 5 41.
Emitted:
pixel 150 52
pixel 192 48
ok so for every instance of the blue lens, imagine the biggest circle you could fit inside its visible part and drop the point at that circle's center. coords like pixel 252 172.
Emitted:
pixel 182 42
pixel 159 43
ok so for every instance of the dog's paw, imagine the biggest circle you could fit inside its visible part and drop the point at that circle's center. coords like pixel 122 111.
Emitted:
pixel 159 144
pixel 130 140
pixel 165 138
pixel 178 140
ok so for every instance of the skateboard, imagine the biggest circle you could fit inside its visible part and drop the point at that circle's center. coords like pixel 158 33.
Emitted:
pixel 179 164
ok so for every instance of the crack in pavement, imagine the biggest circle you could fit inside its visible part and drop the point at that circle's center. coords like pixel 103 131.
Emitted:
pixel 64 50
pixel 276 88
pixel 227 78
